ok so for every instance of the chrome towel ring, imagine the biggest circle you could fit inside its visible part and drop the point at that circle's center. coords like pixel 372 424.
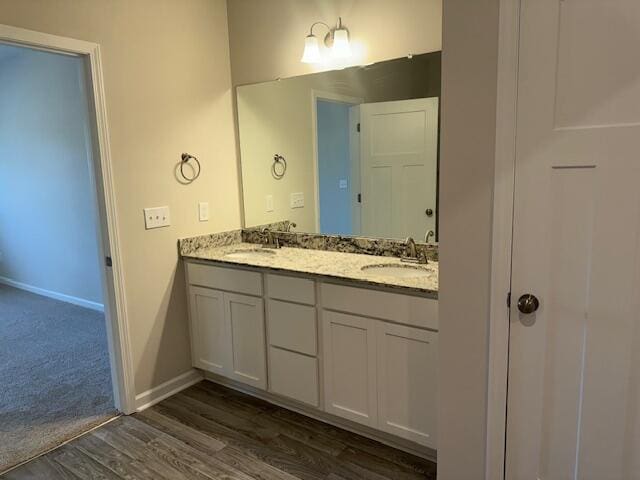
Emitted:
pixel 186 158
pixel 279 166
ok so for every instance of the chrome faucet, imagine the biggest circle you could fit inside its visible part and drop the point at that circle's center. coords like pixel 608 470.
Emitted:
pixel 290 225
pixel 411 255
pixel 272 240
pixel 428 235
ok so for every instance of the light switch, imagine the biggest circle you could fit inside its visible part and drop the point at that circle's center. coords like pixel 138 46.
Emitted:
pixel 342 184
pixel 269 203
pixel 297 200
pixel 203 211
pixel 156 217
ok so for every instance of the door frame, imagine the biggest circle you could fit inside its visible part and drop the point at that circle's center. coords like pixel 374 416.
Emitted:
pixel 502 239
pixel 331 97
pixel 101 173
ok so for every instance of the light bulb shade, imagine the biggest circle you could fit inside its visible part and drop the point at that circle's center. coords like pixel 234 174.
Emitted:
pixel 311 52
pixel 341 47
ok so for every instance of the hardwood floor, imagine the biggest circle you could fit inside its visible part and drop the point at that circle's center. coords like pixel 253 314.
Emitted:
pixel 211 432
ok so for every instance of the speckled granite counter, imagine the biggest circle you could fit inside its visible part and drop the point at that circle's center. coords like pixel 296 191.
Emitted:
pixel 346 267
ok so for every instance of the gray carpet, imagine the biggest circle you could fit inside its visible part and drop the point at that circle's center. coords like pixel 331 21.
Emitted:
pixel 54 373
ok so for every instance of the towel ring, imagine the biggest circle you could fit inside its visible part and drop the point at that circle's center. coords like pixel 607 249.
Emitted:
pixel 279 166
pixel 186 158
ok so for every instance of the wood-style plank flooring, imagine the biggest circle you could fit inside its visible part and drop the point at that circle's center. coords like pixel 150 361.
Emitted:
pixel 211 432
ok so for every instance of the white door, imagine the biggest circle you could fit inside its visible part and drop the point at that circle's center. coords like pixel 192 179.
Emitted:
pixel 350 367
pixel 407 382
pixel 245 322
pixel 399 154
pixel 574 365
pixel 209 337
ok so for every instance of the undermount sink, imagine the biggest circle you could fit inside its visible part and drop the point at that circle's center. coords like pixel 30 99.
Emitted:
pixel 396 271
pixel 249 253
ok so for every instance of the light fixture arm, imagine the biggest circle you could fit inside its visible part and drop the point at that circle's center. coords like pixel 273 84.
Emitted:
pixel 319 23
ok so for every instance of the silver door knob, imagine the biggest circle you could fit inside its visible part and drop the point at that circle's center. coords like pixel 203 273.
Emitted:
pixel 528 303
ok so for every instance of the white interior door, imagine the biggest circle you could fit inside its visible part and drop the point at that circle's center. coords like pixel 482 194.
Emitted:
pixel 574 366
pixel 399 152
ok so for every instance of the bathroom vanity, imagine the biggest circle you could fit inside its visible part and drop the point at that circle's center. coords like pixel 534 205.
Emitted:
pixel 333 325
pixel 349 338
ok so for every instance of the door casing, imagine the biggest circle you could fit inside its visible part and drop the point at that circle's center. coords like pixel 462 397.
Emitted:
pixel 101 169
pixel 503 195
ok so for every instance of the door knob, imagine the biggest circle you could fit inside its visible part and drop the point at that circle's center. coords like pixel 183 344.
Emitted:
pixel 528 303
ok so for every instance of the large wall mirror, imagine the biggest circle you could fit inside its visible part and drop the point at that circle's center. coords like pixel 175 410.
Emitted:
pixel 348 152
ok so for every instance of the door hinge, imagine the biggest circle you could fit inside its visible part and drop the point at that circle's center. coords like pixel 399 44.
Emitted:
pixel 358 127
pixel 509 300
pixel 359 198
pixel 108 262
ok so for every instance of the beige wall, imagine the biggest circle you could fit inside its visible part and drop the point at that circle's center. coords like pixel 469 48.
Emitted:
pixel 469 80
pixel 167 82
pixel 267 37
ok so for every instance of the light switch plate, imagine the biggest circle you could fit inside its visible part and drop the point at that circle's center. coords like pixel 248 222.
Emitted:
pixel 297 200
pixel 269 203
pixel 203 211
pixel 156 217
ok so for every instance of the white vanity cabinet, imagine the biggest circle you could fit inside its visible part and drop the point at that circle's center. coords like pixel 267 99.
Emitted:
pixel 407 379
pixel 292 333
pixel 227 327
pixel 364 355
pixel 349 347
pixel 378 372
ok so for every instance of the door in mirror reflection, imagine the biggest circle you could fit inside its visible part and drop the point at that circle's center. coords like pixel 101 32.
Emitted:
pixel 399 151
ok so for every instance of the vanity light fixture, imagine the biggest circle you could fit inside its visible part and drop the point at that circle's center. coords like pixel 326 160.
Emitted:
pixel 337 39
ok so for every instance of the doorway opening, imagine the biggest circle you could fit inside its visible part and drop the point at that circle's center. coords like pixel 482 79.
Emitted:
pixel 337 126
pixel 60 356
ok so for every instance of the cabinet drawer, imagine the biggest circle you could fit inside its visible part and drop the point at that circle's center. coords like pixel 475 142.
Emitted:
pixel 292 326
pixel 292 289
pixel 407 309
pixel 293 375
pixel 230 279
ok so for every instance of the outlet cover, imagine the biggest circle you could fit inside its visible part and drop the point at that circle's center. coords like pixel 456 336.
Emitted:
pixel 156 217
pixel 297 200
pixel 269 203
pixel 342 184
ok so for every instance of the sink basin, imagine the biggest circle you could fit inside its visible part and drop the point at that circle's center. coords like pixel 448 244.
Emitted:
pixel 397 271
pixel 249 253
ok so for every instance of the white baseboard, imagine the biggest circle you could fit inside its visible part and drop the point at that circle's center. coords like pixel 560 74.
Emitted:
pixel 165 390
pixel 55 295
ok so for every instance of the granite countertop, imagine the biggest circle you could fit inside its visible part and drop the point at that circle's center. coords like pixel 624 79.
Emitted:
pixel 324 264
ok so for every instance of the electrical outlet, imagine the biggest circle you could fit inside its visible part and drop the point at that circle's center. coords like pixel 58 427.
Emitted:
pixel 297 200
pixel 156 217
pixel 269 202
pixel 203 211
pixel 342 184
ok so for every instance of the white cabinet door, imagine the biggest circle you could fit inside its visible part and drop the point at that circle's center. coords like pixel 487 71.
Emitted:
pixel 245 322
pixel 350 367
pixel 209 345
pixel 407 382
